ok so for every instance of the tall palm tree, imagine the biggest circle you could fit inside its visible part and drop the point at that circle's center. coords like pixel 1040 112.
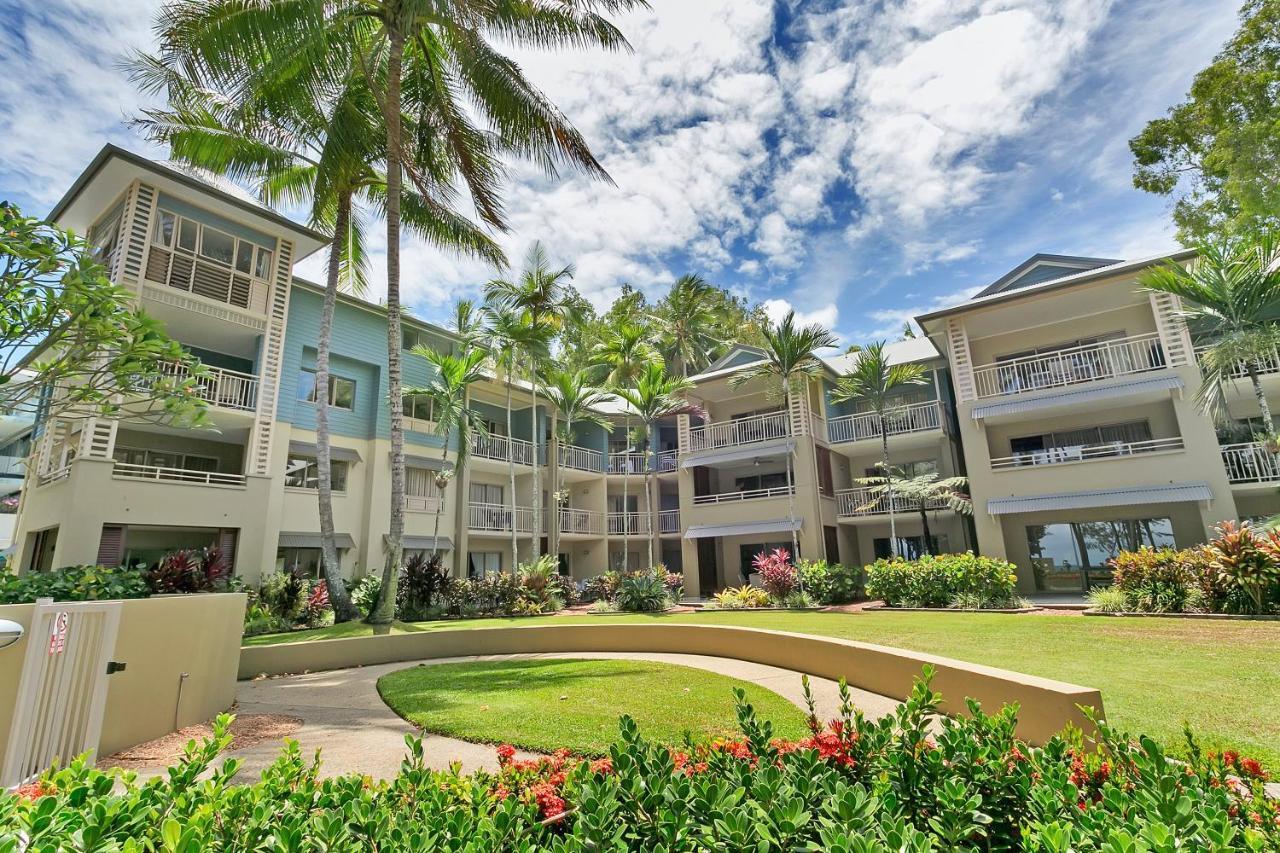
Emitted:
pixel 656 395
pixel 919 491
pixel 296 149
pixel 431 62
pixel 623 355
pixel 1231 296
pixel 539 295
pixel 791 361
pixel 576 402
pixel 686 320
pixel 468 322
pixel 875 380
pixel 452 378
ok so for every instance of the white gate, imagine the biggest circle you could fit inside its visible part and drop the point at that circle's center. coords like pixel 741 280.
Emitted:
pixel 63 689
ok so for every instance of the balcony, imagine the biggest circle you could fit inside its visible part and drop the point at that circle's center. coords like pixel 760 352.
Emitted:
pixel 627 463
pixel 739 431
pixel 501 449
pixel 498 518
pixel 583 522
pixel 1267 365
pixel 129 471
pixel 1085 453
pixel 420 503
pixel 202 276
pixel 1250 463
pixel 1072 366
pixel 226 389
pixel 629 524
pixel 747 495
pixel 866 501
pixel 669 521
pixel 581 458
pixel 917 417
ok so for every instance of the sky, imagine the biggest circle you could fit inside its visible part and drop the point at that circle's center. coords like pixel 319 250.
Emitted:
pixel 860 162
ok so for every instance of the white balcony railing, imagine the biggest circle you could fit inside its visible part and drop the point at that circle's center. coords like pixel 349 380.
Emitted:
pixel 629 524
pixel 1269 363
pixel 627 463
pixel 226 389
pixel 917 417
pixel 669 521
pixel 499 518
pixel 420 503
pixel 184 270
pixel 747 495
pixel 129 471
pixel 582 521
pixel 667 460
pixel 1250 463
pixel 1072 366
pixel 501 448
pixel 1085 453
pixel 868 501
pixel 581 458
pixel 731 433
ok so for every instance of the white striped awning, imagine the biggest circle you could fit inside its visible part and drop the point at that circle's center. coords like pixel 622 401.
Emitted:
pixel 426 543
pixel 777 525
pixel 432 463
pixel 1076 397
pixel 1162 494
pixel 763 450
pixel 312 540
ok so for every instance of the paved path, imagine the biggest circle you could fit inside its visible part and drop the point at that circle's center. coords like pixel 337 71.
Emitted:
pixel 346 718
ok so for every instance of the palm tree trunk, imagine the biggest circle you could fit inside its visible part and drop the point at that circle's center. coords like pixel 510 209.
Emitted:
pixel 924 526
pixel 511 476
pixel 435 537
pixel 343 610
pixel 888 483
pixel 1261 397
pixel 537 467
pixel 384 612
pixel 626 472
pixel 791 491
pixel 648 495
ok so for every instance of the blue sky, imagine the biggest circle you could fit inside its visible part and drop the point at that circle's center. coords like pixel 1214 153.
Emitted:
pixel 858 161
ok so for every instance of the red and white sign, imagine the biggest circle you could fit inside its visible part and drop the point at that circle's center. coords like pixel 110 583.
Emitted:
pixel 58 633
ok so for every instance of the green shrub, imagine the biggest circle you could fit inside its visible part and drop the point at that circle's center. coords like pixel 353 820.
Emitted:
pixel 939 581
pixel 364 593
pixel 74 583
pixel 740 598
pixel 285 595
pixel 1109 599
pixel 189 570
pixel 1248 560
pixel 1159 580
pixel 909 782
pixel 830 583
pixel 420 588
pixel 601 587
pixel 642 593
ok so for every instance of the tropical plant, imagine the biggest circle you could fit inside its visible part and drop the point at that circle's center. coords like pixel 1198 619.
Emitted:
pixel 284 594
pixel 189 570
pixel 778 576
pixel 364 593
pixel 744 597
pixel 830 583
pixel 1109 599
pixel 791 362
pixel 642 592
pixel 920 492
pixel 875 380
pixel 686 324
pixel 74 583
pixel 1248 560
pixel 1230 296
pixel 576 403
pixel 944 581
pixel 422 585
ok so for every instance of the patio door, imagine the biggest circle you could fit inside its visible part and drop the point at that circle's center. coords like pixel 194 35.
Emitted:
pixel 708 570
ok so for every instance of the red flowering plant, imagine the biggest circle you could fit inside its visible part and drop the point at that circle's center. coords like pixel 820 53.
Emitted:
pixel 777 575
pixel 543 783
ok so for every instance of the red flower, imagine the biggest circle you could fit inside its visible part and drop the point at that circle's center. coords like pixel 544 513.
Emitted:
pixel 1251 767
pixel 505 752
pixel 36 790
pixel 548 800
pixel 602 766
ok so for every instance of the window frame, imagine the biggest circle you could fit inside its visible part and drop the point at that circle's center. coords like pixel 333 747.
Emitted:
pixel 334 379
pixel 307 478
pixel 260 259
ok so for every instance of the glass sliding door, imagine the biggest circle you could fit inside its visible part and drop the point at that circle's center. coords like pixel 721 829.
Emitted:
pixel 1073 556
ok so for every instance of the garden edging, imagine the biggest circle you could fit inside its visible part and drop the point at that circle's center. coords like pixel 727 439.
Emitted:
pixel 1244 617
pixel 1015 610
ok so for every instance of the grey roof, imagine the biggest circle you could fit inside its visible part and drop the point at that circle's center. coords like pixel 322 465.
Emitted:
pixel 307 448
pixel 1159 494
pixel 775 447
pixel 312 540
pixel 432 463
pixel 427 542
pixel 905 351
pixel 1075 397
pixel 1068 264
pixel 777 525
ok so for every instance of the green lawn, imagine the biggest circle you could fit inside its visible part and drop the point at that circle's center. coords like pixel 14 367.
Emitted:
pixel 1223 677
pixel 543 705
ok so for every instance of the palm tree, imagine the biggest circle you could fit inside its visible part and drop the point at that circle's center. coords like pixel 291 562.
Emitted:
pixel 686 321
pixel 539 296
pixel 576 401
pixel 791 361
pixel 294 149
pixel 875 380
pixel 623 355
pixel 656 395
pixel 1230 295
pixel 448 390
pixel 431 62
pixel 919 491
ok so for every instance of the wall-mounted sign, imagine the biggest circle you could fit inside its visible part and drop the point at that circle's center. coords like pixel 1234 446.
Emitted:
pixel 58 633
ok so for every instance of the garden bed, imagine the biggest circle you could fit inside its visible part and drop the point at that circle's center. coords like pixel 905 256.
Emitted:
pixel 1247 617
pixel 813 609
pixel 1009 610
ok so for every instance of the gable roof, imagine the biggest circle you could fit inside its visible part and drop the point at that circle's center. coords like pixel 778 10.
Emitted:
pixel 1042 267
pixel 738 357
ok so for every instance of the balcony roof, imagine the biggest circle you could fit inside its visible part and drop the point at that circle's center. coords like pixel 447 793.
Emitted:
pixel 742 528
pixel 738 453
pixel 1159 494
pixel 1074 396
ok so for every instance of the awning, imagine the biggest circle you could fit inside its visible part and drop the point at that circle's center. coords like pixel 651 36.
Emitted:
pixel 306 448
pixel 1164 494
pixel 1074 398
pixel 426 543
pixel 777 525
pixel 765 449
pixel 432 463
pixel 312 540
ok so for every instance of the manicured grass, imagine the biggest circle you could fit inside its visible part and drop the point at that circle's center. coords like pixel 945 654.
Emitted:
pixel 1155 674
pixel 543 705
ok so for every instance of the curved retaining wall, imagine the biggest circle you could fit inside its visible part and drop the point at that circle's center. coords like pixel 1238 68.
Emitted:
pixel 1045 706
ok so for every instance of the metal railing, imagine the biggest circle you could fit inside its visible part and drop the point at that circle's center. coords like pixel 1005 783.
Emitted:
pixel 501 448
pixel 1071 366
pixel 629 524
pixel 1250 462
pixel 667 460
pixel 917 417
pixel 185 270
pixel 869 501
pixel 1269 363
pixel 627 463
pixel 669 521
pixel 130 471
pixel 226 389
pixel 582 521
pixel 499 518
pixel 581 458
pixel 732 433
pixel 746 495
pixel 1085 452
pixel 55 475
pixel 418 503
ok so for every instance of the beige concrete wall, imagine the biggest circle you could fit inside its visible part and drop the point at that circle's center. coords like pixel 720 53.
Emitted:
pixel 1133 319
pixel 1046 706
pixel 159 640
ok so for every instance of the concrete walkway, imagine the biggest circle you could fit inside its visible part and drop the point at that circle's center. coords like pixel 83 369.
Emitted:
pixel 346 718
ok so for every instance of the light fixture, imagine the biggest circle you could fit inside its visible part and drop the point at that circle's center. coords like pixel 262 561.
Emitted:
pixel 10 633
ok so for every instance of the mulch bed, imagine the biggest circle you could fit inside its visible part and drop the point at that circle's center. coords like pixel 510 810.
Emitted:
pixel 247 730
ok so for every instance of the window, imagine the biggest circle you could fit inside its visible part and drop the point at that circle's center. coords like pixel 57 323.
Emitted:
pixel 302 562
pixel 826 482
pixel 486 493
pixel 420 407
pixel 747 555
pixel 166 224
pixel 1091 436
pixel 1072 556
pixel 419 483
pixel 244 256
pixel 105 236
pixel 342 391
pixel 751 483
pixel 910 547
pixel 263 267
pixel 165 459
pixel 217 246
pixel 301 472
pixel 909 470
pixel 481 563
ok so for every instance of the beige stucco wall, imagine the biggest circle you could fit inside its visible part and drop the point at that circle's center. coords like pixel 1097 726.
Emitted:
pixel 1046 706
pixel 159 640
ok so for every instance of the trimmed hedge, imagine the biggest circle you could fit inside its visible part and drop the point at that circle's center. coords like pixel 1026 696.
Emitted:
pixel 74 583
pixel 947 580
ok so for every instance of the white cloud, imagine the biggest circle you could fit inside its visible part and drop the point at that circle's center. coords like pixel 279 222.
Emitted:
pixel 825 315
pixel 888 323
